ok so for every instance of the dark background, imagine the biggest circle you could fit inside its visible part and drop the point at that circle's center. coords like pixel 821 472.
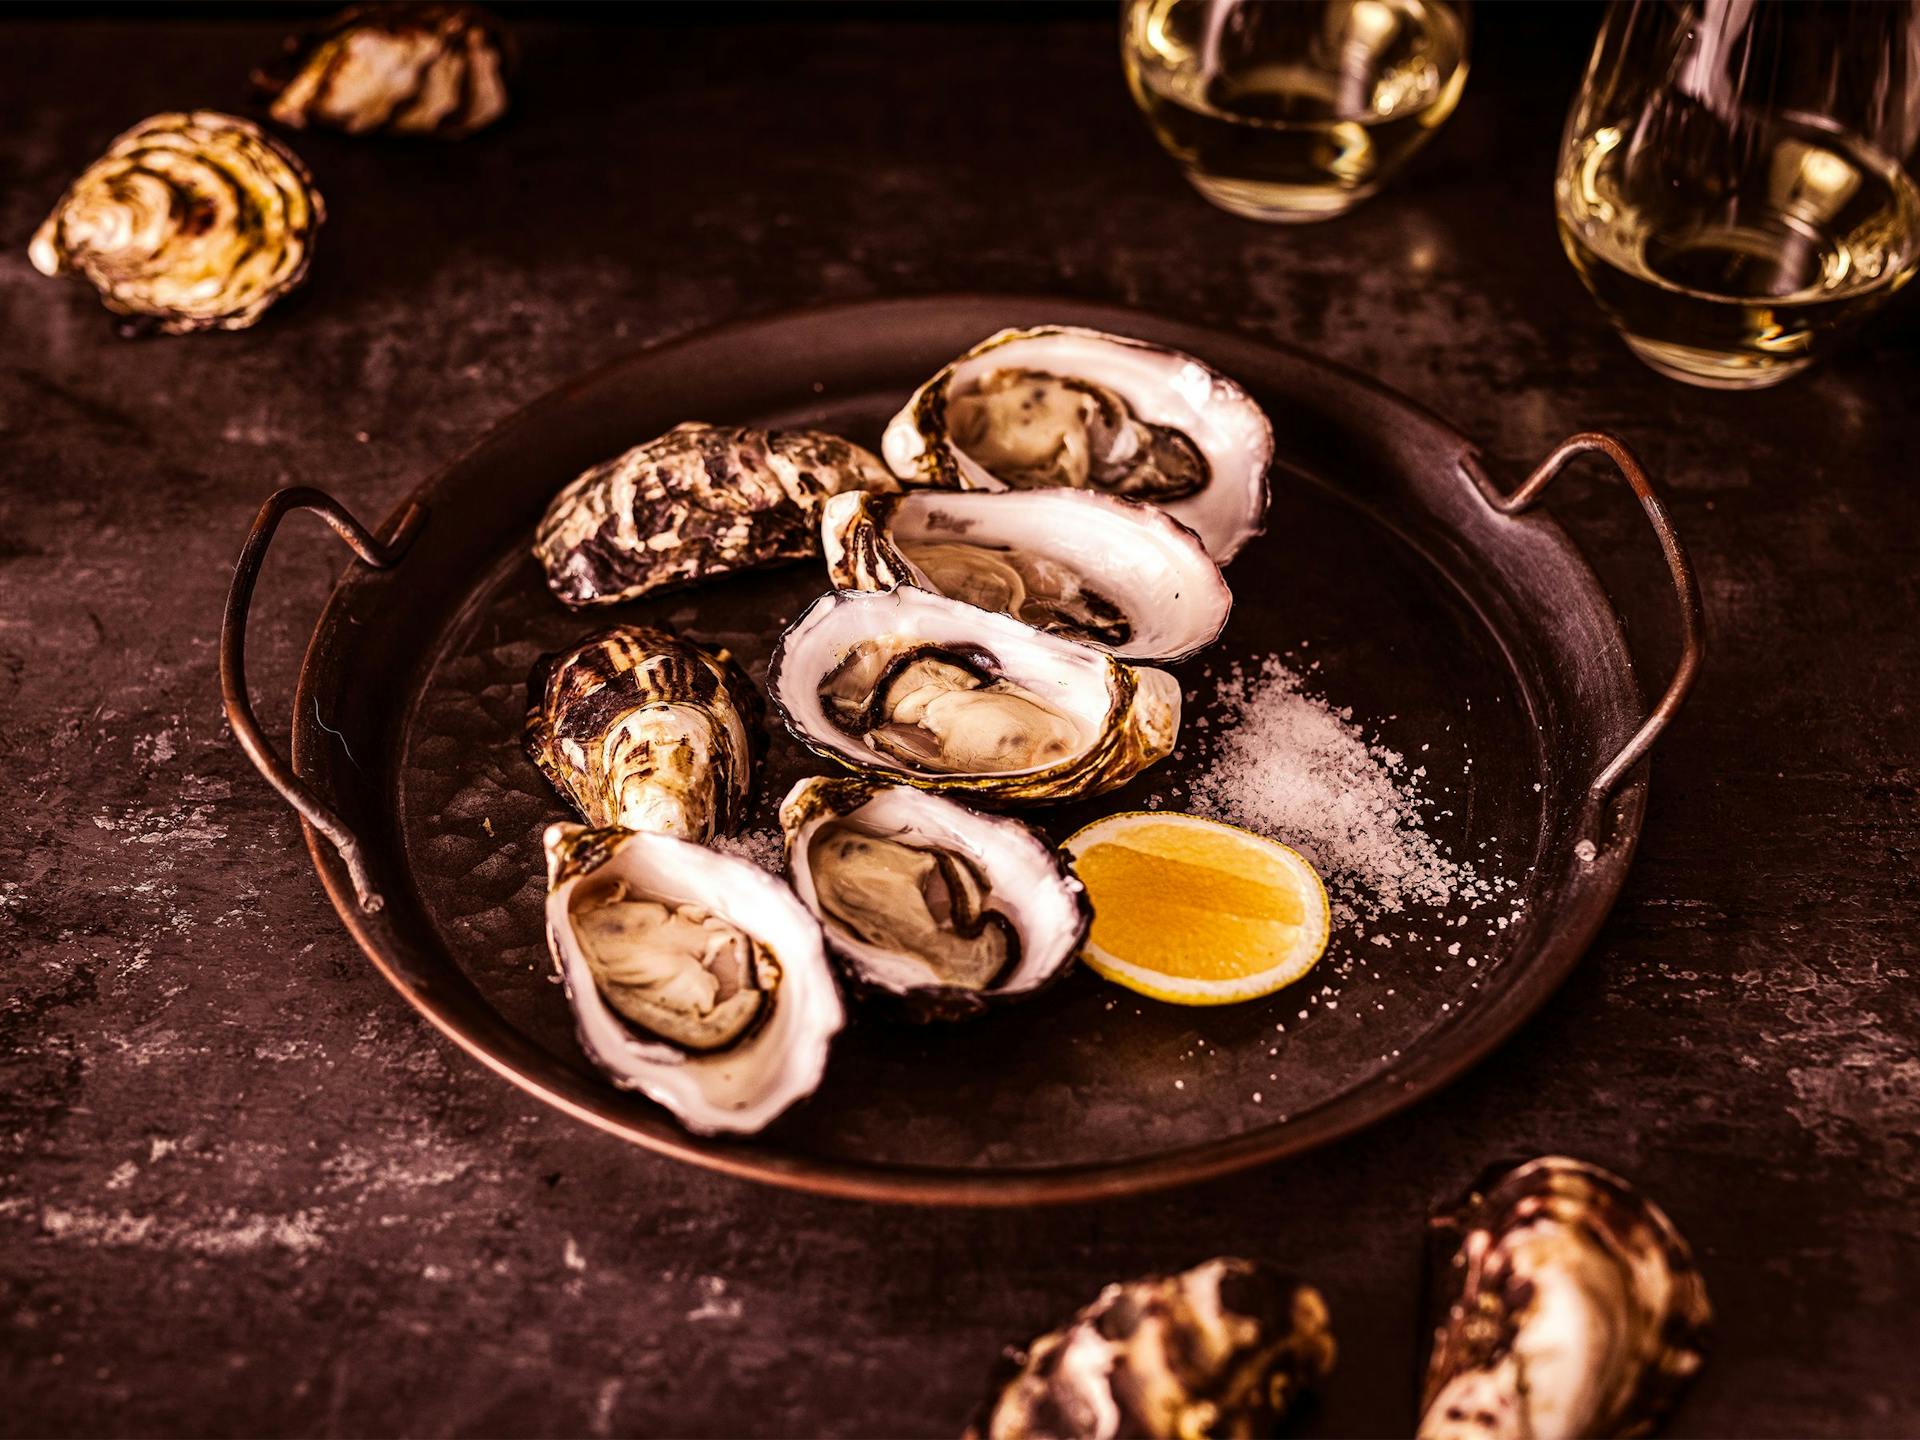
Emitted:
pixel 244 1189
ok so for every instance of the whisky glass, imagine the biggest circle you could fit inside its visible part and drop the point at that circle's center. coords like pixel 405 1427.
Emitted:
pixel 1293 111
pixel 1731 184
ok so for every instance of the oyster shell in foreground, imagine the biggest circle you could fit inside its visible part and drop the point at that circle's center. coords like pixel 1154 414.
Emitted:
pixel 395 69
pixel 695 978
pixel 1225 1348
pixel 644 730
pixel 189 222
pixel 1095 568
pixel 1065 406
pixel 941 907
pixel 701 500
pixel 908 686
pixel 1573 1309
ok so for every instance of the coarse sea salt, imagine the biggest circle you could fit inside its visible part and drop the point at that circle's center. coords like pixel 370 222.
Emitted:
pixel 764 848
pixel 1291 766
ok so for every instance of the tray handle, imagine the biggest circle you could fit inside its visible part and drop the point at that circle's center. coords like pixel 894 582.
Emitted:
pixel 1686 588
pixel 381 555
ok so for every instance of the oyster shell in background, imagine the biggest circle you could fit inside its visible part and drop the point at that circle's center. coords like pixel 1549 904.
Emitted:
pixel 1064 406
pixel 910 687
pixel 942 908
pixel 190 221
pixel 644 730
pixel 1224 1349
pixel 1572 1309
pixel 695 978
pixel 699 501
pixel 1109 572
pixel 403 69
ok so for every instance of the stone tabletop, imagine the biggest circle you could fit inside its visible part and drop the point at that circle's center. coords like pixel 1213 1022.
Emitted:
pixel 244 1189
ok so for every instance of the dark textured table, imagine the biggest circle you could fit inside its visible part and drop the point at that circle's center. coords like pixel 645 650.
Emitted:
pixel 245 1189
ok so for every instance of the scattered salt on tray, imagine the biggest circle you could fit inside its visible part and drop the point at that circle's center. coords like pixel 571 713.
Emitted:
pixel 764 848
pixel 1293 767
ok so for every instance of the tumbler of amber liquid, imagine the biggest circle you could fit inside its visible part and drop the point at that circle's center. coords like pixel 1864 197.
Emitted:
pixel 1294 110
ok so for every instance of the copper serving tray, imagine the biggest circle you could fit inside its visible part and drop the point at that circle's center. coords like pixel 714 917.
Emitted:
pixel 1442 607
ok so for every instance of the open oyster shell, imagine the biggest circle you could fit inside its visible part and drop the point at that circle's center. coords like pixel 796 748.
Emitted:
pixel 396 69
pixel 189 222
pixel 641 729
pixel 1223 1349
pixel 1572 1309
pixel 924 900
pixel 907 686
pixel 1109 572
pixel 699 501
pixel 695 978
pixel 1064 406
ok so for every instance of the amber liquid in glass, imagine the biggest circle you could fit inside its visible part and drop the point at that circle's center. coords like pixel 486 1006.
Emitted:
pixel 1291 111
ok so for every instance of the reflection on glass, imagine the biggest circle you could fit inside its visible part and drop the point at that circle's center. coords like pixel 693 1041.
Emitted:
pixel 1730 186
pixel 1293 111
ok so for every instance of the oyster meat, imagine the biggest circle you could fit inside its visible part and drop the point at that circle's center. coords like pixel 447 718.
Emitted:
pixel 189 222
pixel 910 686
pixel 641 729
pixel 1060 406
pixel 1224 1349
pixel 401 69
pixel 1573 1308
pixel 695 978
pixel 702 500
pixel 1114 573
pixel 927 901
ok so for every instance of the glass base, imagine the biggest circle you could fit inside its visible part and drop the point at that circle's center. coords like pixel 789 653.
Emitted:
pixel 1279 204
pixel 1716 369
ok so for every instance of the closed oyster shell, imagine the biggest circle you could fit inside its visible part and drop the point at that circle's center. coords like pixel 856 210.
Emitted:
pixel 641 729
pixel 1223 1349
pixel 1572 1308
pixel 399 69
pixel 699 501
pixel 779 1059
pixel 1100 722
pixel 190 221
pixel 1025 891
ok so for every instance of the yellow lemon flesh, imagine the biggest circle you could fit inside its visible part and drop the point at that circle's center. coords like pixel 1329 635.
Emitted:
pixel 1195 912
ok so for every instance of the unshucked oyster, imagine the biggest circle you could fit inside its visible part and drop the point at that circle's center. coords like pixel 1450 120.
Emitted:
pixel 1573 1308
pixel 1224 1349
pixel 1061 406
pixel 395 69
pixel 695 978
pixel 189 222
pixel 641 729
pixel 701 500
pixel 922 899
pixel 1124 576
pixel 910 686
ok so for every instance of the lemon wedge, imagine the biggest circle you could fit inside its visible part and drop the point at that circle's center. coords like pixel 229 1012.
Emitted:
pixel 1195 912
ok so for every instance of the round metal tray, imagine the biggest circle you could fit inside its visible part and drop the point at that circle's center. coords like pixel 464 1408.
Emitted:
pixel 1454 626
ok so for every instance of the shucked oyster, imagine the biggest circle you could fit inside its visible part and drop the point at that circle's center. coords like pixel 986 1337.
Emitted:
pixel 701 500
pixel 189 222
pixel 1123 576
pixel 396 69
pixel 642 729
pixel 928 901
pixel 906 685
pixel 1061 406
pixel 1223 1349
pixel 695 978
pixel 1573 1309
